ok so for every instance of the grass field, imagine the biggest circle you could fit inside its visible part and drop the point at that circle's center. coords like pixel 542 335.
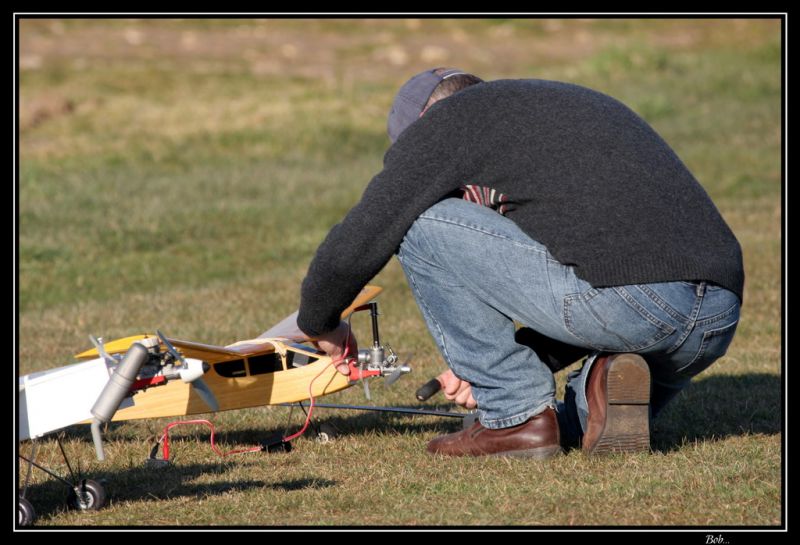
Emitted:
pixel 179 174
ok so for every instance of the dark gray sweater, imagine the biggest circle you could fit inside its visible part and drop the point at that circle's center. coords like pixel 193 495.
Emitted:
pixel 586 177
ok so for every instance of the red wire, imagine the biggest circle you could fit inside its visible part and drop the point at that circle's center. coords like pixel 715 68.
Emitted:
pixel 165 435
pixel 213 444
pixel 311 384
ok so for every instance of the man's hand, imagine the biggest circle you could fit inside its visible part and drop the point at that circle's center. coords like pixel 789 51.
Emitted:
pixel 334 342
pixel 457 390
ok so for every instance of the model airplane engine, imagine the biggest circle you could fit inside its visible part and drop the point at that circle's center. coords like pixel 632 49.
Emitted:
pixel 118 387
pixel 379 360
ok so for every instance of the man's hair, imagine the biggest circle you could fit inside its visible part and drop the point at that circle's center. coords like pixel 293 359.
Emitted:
pixel 451 85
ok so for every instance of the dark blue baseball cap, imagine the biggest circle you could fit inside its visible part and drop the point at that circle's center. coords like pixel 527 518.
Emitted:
pixel 412 97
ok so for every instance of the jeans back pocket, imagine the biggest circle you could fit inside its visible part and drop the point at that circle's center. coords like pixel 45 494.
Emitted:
pixel 612 320
pixel 714 345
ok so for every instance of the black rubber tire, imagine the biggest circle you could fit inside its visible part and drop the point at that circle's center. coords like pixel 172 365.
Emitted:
pixel 26 514
pixel 89 495
pixel 326 433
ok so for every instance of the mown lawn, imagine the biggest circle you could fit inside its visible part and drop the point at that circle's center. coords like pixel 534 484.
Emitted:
pixel 179 174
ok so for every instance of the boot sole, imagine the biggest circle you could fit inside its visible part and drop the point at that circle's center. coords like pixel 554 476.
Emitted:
pixel 627 426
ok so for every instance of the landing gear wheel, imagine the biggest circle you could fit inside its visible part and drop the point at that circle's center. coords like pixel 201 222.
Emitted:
pixel 326 433
pixel 87 496
pixel 25 512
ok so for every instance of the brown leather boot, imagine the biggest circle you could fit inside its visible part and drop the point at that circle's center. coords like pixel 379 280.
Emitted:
pixel 618 395
pixel 537 438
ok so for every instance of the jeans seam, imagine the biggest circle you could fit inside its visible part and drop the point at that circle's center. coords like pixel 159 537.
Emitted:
pixel 722 315
pixel 415 255
pixel 568 300
pixel 658 301
pixel 635 305
pixel 422 302
pixel 478 229
pixel 405 249
pixel 692 324
pixel 707 336
pixel 664 328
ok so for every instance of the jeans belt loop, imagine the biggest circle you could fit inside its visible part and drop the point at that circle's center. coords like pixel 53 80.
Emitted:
pixel 701 289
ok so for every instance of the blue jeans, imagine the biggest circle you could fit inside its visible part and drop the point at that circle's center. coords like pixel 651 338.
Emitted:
pixel 474 273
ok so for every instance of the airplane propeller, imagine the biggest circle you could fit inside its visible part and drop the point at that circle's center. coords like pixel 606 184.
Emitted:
pixel 98 344
pixel 205 394
pixel 193 374
pixel 399 372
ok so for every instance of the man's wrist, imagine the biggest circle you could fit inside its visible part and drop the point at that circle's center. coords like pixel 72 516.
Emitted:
pixel 313 328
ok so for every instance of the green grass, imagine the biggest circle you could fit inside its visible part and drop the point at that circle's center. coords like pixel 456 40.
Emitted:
pixel 180 174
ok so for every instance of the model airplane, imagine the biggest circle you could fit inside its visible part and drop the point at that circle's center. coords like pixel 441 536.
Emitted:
pixel 152 376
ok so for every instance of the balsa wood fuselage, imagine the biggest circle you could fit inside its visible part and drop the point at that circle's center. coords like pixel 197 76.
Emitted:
pixel 264 376
pixel 245 374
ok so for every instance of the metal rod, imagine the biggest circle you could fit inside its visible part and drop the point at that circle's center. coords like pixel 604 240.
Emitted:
pixel 34 464
pixel 311 421
pixel 289 418
pixel 66 461
pixel 305 413
pixel 30 468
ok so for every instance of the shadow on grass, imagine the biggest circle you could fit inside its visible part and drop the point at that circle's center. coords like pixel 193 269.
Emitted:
pixel 335 422
pixel 143 482
pixel 302 484
pixel 720 406
pixel 348 422
pixel 162 483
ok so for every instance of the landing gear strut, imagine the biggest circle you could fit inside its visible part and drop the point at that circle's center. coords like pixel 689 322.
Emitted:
pixel 82 494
